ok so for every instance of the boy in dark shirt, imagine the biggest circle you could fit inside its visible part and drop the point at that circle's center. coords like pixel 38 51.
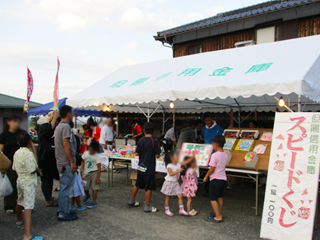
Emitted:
pixel 148 150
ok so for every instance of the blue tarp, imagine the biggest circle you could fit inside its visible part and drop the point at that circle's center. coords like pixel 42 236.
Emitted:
pixel 46 108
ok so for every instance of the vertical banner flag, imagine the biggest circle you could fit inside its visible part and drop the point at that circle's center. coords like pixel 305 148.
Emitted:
pixel 56 90
pixel 292 187
pixel 29 90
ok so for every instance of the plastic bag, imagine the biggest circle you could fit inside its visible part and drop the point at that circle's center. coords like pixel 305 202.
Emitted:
pixel 5 186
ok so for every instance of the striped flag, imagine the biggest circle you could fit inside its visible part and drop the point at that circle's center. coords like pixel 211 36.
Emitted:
pixel 29 90
pixel 56 90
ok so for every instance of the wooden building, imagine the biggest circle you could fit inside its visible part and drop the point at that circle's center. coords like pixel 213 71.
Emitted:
pixel 13 106
pixel 266 22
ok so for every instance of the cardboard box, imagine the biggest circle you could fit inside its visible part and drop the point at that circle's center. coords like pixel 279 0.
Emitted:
pixel 250 159
pixel 244 145
pixel 229 145
pixel 159 178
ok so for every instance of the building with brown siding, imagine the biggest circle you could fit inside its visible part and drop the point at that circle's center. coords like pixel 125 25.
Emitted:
pixel 266 22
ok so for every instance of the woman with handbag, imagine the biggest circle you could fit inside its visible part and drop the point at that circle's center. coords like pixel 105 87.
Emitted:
pixel 9 145
pixel 46 157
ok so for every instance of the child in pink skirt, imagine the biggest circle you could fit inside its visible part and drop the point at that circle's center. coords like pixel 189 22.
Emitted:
pixel 190 185
pixel 171 186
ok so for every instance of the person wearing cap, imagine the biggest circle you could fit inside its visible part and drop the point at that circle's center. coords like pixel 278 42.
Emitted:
pixel 137 132
pixel 46 157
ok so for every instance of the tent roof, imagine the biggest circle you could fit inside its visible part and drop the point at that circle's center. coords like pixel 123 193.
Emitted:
pixel 7 101
pixel 246 77
pixel 46 108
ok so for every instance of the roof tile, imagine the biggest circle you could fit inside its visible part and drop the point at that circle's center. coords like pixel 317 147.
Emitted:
pixel 223 18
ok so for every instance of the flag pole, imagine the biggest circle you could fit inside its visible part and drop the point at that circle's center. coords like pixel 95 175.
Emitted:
pixel 28 104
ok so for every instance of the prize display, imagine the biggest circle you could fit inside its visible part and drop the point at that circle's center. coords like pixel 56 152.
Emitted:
pixel 248 134
pixel 229 145
pixel 250 159
pixel 244 145
pixel 266 136
pixel 202 152
pixel 231 133
pixel 260 148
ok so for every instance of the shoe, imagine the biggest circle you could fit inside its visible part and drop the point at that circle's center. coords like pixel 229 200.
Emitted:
pixel 152 210
pixel 71 213
pixel 229 186
pixel 85 200
pixel 92 205
pixel 73 208
pixel 135 204
pixel 211 219
pixel 193 212
pixel 81 208
pixel 170 214
pixel 9 212
pixel 69 217
pixel 19 223
pixel 183 213
pixel 36 238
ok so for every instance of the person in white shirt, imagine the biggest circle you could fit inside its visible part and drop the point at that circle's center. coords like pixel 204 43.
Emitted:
pixel 172 135
pixel 107 135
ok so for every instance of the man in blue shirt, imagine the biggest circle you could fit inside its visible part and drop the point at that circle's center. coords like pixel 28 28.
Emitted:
pixel 211 128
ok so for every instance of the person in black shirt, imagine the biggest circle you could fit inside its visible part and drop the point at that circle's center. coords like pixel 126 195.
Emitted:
pixel 148 149
pixel 46 157
pixel 9 145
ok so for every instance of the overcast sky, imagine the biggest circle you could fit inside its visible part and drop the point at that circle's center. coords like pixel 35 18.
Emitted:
pixel 92 38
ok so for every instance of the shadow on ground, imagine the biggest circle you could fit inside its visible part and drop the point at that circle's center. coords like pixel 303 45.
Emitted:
pixel 113 219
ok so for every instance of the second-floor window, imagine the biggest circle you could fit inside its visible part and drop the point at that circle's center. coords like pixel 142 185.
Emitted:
pixel 195 49
pixel 265 35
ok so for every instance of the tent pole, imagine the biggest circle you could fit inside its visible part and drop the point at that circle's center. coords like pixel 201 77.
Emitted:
pixel 231 117
pixel 141 111
pixel 117 127
pixel 160 105
pixel 148 112
pixel 239 112
pixel 163 120
pixel 174 119
pixel 299 103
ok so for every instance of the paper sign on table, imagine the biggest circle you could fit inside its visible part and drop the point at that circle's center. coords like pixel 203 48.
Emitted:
pixel 134 163
pixel 160 165
pixel 202 152
pixel 104 161
pixel 292 185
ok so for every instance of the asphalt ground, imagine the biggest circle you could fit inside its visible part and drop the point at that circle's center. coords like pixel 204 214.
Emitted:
pixel 113 219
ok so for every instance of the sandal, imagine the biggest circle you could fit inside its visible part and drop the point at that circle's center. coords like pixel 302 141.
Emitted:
pixel 19 223
pixel 52 204
pixel 36 238
pixel 9 212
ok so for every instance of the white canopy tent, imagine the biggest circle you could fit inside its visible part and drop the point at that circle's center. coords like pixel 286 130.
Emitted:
pixel 245 79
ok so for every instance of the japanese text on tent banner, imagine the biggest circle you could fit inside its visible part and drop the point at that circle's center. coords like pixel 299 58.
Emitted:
pixel 29 91
pixel 56 89
pixel 202 152
pixel 292 187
